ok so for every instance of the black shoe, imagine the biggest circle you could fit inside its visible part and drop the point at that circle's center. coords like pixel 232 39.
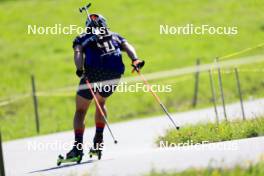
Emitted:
pixel 98 141
pixel 75 152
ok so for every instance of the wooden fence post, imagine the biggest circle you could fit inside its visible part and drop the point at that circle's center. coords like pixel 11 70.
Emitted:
pixel 35 101
pixel 221 87
pixel 213 96
pixel 240 94
pixel 196 86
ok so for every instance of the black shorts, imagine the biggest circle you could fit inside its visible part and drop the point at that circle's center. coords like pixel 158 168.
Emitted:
pixel 103 81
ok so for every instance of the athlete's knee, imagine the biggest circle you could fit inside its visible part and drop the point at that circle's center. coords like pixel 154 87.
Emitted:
pixel 102 103
pixel 81 106
pixel 101 100
pixel 80 112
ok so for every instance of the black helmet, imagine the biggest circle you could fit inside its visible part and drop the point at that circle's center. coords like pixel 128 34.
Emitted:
pixel 96 20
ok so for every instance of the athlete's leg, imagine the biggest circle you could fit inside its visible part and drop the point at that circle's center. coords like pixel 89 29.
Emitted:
pixel 82 105
pixel 99 121
pixel 102 97
pixel 98 115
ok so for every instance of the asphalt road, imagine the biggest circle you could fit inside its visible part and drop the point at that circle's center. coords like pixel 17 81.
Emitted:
pixel 136 152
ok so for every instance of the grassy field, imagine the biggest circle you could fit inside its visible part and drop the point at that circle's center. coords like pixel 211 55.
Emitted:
pixel 212 132
pixel 49 57
pixel 252 170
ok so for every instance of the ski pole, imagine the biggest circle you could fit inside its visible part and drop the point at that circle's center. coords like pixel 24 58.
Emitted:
pixel 155 96
pixel 86 8
pixel 100 109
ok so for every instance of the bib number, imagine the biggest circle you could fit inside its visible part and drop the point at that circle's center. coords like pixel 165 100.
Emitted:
pixel 107 46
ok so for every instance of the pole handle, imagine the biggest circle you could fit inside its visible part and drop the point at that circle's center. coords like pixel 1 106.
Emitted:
pixel 138 67
pixel 81 9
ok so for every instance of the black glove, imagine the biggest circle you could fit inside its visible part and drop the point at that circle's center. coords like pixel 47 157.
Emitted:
pixel 79 73
pixel 137 65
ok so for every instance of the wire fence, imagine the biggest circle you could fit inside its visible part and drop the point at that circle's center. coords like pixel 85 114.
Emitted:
pixel 70 91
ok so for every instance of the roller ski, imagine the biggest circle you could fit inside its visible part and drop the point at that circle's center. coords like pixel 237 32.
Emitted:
pixel 97 148
pixel 75 155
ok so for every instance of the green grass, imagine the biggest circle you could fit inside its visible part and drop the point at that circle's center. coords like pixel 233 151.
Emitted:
pixel 49 57
pixel 212 132
pixel 252 170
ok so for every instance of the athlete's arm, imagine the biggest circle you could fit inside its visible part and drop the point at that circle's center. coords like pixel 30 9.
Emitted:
pixel 131 52
pixel 78 59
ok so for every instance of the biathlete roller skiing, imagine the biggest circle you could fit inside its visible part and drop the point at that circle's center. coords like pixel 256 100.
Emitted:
pixel 98 59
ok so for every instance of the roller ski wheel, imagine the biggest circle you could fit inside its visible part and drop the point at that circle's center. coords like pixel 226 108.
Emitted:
pixel 76 159
pixel 60 158
pixel 97 153
pixel 73 156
